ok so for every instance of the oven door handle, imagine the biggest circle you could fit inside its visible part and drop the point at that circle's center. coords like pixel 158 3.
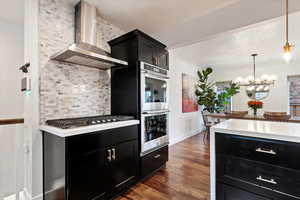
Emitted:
pixel 154 74
pixel 156 113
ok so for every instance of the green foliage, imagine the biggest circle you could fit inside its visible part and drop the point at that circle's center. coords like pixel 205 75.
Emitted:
pixel 207 96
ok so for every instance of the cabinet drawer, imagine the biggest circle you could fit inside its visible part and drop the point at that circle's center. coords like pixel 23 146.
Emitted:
pixel 82 144
pixel 278 179
pixel 274 152
pixel 226 192
pixel 154 161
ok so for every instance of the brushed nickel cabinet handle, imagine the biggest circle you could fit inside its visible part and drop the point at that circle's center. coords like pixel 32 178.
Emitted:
pixel 156 156
pixel 272 181
pixel 114 154
pixel 154 60
pixel 109 155
pixel 271 151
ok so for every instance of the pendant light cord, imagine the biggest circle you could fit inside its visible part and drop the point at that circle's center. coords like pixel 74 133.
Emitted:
pixel 287 21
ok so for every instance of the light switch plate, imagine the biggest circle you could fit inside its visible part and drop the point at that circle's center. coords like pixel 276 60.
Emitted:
pixel 26 84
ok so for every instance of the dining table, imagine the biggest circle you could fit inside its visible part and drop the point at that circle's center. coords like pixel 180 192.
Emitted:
pixel 220 116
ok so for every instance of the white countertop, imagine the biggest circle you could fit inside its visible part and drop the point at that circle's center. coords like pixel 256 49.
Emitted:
pixel 261 129
pixel 86 129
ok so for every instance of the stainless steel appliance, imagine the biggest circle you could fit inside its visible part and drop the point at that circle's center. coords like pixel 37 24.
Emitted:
pixel 84 51
pixel 155 131
pixel 154 88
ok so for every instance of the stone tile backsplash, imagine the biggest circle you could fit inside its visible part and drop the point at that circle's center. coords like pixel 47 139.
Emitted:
pixel 68 90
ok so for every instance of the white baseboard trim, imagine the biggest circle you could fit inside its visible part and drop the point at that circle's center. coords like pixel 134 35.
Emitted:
pixel 184 137
pixel 38 197
pixel 29 197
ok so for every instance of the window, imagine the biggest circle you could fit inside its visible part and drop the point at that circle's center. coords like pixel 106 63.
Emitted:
pixel 220 87
pixel 294 95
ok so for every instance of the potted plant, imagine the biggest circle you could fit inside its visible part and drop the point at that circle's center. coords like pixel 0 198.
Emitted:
pixel 254 105
pixel 206 95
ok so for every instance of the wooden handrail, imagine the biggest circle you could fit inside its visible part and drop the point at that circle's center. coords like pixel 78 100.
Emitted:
pixel 11 121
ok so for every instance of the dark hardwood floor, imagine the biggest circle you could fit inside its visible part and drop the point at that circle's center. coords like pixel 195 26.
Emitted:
pixel 185 177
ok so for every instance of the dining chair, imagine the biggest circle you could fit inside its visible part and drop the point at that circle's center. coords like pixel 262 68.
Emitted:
pixel 208 124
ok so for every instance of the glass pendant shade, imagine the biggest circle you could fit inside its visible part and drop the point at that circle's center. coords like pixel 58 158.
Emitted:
pixel 287 56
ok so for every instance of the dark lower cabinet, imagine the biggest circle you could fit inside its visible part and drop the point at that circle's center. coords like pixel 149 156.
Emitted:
pixel 88 176
pixel 104 164
pixel 253 168
pixel 124 168
pixel 153 161
pixel 226 192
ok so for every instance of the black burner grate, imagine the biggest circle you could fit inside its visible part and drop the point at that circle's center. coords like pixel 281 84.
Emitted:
pixel 87 121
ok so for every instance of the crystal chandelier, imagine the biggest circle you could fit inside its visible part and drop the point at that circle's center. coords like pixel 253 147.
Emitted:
pixel 257 88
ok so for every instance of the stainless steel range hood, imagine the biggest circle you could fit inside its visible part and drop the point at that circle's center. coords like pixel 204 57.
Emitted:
pixel 84 51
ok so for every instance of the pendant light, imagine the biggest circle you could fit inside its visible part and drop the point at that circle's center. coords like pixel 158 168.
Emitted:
pixel 287 56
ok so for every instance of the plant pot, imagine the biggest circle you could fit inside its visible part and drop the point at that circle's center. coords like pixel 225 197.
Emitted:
pixel 255 111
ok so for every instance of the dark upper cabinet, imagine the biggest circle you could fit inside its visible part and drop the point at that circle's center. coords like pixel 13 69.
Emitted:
pixel 146 52
pixel 138 46
pixel 164 59
pixel 153 52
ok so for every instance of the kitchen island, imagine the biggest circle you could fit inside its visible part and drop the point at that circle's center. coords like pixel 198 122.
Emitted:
pixel 255 160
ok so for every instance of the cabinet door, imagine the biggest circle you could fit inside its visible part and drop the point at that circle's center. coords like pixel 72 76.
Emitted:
pixel 88 177
pixel 163 60
pixel 124 165
pixel 160 55
pixel 225 192
pixel 146 52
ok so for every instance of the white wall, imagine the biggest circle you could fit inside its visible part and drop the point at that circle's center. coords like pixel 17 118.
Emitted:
pixel 11 53
pixel 267 40
pixel 11 106
pixel 229 54
pixel 278 98
pixel 182 125
pixel 12 160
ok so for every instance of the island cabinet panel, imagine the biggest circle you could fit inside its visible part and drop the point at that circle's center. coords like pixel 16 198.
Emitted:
pixel 259 167
pixel 92 166
pixel 226 192
pixel 279 153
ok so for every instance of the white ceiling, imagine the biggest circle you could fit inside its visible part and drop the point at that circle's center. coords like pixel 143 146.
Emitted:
pixel 12 11
pixel 183 22
pixel 233 49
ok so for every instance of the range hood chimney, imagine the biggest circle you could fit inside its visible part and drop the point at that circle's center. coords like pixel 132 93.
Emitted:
pixel 84 51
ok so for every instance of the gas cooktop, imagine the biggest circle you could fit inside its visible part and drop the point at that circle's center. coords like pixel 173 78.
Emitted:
pixel 87 121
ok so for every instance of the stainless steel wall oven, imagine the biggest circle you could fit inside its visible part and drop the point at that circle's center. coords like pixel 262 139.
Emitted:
pixel 155 131
pixel 154 88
